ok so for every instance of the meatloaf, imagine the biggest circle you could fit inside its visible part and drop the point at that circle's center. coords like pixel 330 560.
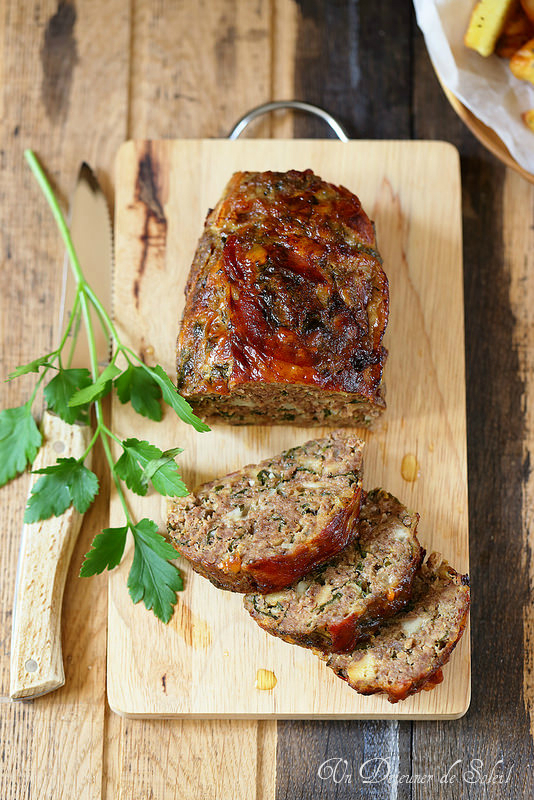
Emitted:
pixel 286 306
pixel 341 602
pixel 407 652
pixel 264 527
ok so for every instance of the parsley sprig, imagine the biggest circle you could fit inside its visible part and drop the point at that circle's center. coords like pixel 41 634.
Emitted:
pixel 71 393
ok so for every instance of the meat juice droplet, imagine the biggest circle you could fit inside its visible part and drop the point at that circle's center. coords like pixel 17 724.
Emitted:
pixel 410 467
pixel 265 679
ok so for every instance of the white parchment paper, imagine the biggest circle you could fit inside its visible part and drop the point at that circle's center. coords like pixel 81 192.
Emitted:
pixel 485 85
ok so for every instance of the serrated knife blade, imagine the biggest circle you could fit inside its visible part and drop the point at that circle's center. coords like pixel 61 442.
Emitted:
pixel 46 547
pixel 91 233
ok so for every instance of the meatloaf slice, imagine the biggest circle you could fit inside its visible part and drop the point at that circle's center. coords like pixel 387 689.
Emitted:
pixel 341 602
pixel 286 306
pixel 264 527
pixel 407 652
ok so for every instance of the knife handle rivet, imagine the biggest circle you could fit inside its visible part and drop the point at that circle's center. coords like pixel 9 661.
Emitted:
pixel 59 446
pixel 31 665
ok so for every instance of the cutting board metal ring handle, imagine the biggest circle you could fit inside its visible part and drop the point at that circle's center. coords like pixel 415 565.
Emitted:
pixel 241 124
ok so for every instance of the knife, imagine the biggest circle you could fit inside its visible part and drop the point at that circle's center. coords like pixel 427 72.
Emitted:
pixel 46 546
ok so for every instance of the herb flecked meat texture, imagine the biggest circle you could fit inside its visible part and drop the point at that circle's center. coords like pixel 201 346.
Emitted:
pixel 266 526
pixel 346 599
pixel 407 652
pixel 286 306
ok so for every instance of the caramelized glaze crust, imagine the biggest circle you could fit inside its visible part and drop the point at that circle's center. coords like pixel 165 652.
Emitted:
pixel 286 289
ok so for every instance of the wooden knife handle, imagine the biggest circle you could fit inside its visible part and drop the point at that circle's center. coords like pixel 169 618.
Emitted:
pixel 46 549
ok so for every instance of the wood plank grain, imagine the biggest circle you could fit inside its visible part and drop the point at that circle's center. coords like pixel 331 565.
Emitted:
pixel 112 765
pixel 198 66
pixel 67 101
pixel 197 760
pixel 191 69
pixel 343 760
pixel 345 61
pixel 518 241
pixel 196 661
pixel 284 44
pixel 497 234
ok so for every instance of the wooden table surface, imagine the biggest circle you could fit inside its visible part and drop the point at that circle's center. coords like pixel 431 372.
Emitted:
pixel 77 79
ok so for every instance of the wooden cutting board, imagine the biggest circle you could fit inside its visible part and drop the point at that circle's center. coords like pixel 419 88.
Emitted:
pixel 205 662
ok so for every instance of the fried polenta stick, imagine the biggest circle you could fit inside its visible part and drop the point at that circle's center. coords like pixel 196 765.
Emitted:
pixel 522 62
pixel 528 8
pixel 487 23
pixel 517 31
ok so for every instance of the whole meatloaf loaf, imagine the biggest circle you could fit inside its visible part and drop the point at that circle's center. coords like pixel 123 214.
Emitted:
pixel 264 527
pixel 407 652
pixel 343 601
pixel 286 306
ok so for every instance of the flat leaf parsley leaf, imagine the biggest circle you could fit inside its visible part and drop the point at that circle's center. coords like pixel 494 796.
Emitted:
pixel 164 476
pixel 137 386
pixel 65 482
pixel 142 462
pixel 128 468
pixel 31 366
pixel 97 390
pixel 175 400
pixel 60 390
pixel 20 440
pixel 152 578
pixel 106 551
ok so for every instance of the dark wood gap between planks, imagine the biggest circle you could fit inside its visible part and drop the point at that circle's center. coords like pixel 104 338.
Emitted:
pixel 497 724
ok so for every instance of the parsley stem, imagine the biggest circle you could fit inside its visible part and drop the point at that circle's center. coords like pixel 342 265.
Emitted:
pixel 36 388
pixel 111 434
pixel 101 427
pixel 92 347
pixel 84 294
pixel 103 314
pixel 76 318
pixel 116 480
pixel 69 324
pixel 42 180
pixel 55 354
pixel 127 350
pixel 96 434
pixel 84 290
